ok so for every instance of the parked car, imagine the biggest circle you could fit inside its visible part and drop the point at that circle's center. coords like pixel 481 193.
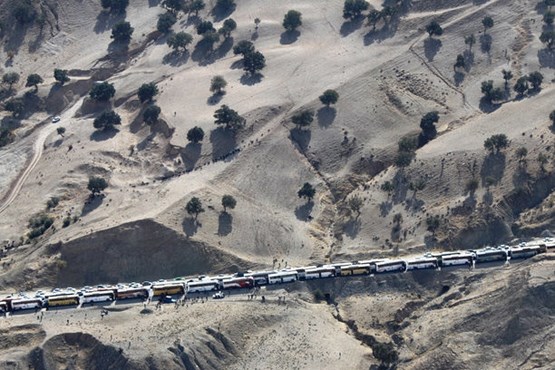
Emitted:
pixel 56 119
pixel 218 295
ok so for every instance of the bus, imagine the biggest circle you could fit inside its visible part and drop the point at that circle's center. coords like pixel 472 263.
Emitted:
pixel 63 300
pixel 451 259
pixel 199 286
pixel 3 307
pixel 167 289
pixel 26 304
pixel 352 270
pixel 391 266
pixel 283 277
pixel 238 282
pixel 524 251
pixel 422 263
pixel 99 296
pixel 491 255
pixel 131 293
pixel 319 272
pixel 260 277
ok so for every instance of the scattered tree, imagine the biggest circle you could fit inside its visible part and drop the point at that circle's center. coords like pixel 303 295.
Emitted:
pixel 229 26
pixel 521 86
pixel 460 62
pixel 355 204
pixel 179 40
pixel 52 202
pixel 61 131
pixel 388 187
pixel 96 185
pixel 254 62
pixel 39 224
pixel 195 135
pixel 471 186
pixel 507 76
pixel 60 75
pixel 228 117
pixel 147 92
pixel 292 20
pixel 228 202
pixel 210 38
pixel 243 47
pixel 404 159
pixel 303 119
pixel 122 31
pixel 107 120
pixel 224 5
pixel 427 124
pixel 329 97
pixel 195 6
pixel 398 219
pixel 103 91
pixel 407 144
pixel 307 191
pixel 433 223
pixel 256 23
pixel 487 22
pixel 116 6
pixel 218 84
pixel 151 114
pixel 194 207
pixel 521 154
pixel 34 80
pixel 10 78
pixel 15 106
pixel 470 40
pixel 542 160
pixel 496 142
pixel 434 29
pixel 417 185
pixel 204 27
pixel 491 93
pixel 535 79
pixel 165 22
pixel 353 8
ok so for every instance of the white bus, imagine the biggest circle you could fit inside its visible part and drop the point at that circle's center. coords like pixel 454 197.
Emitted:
pixel 26 304
pixel 391 266
pixel 352 270
pixel 461 258
pixel 524 251
pixel 101 296
pixel 422 263
pixel 260 277
pixel 238 282
pixel 491 255
pixel 3 307
pixel 283 277
pixel 319 273
pixel 199 286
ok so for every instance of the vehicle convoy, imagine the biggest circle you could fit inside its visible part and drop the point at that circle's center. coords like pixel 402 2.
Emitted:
pixel 167 290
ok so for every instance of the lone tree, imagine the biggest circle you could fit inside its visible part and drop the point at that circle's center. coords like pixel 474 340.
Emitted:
pixel 34 80
pixel 487 22
pixel 218 84
pixel 179 40
pixel 96 185
pixel 228 117
pixel 552 117
pixel 254 62
pixel 536 79
pixel 107 120
pixel 115 6
pixel 61 131
pixel 507 76
pixel 303 119
pixel 496 142
pixel 548 38
pixel 307 191
pixel 165 22
pixel 521 154
pixel 10 78
pixel 470 40
pixel 434 29
pixel 103 91
pixel 353 8
pixel 491 93
pixel 194 207
pixel 329 97
pixel 204 27
pixel 195 135
pixel 433 223
pixel 459 63
pixel 122 31
pixel 228 202
pixel 373 18
pixel 243 47
pixel 521 86
pixel 292 20
pixel 229 26
pixel 15 106
pixel 60 75
pixel 147 92
pixel 355 204
pixel 151 114
pixel 427 124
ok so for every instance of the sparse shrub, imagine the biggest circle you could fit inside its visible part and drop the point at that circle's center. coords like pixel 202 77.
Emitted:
pixel 228 117
pixel 229 26
pixel 434 29
pixel 122 31
pixel 318 296
pixel 10 78
pixel 388 187
pixel 66 222
pixel 433 223
pixel 521 154
pixel 194 207
pixel 195 135
pixel 542 160
pixel 417 185
pixel 307 191
pixel 292 20
pixel 96 185
pixel 102 92
pixel 487 22
pixel 165 22
pixel 303 119
pixel 228 202
pixel 60 75
pixel 329 97
pixel 496 142
pixel 179 40
pixel 355 204
pixel 218 84
pixel 34 80
pixel 39 224
pixel 52 202
pixel 151 114
pixel 147 92
pixel 354 8
pixel 107 120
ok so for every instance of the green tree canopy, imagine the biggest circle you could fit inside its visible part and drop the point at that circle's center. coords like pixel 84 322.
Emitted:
pixel 228 202
pixel 303 119
pixel 496 142
pixel 96 185
pixel 60 75
pixel 254 62
pixel 10 78
pixel 329 97
pixel 116 6
pixel 307 191
pixel 179 40
pixel 102 91
pixel 535 79
pixel 521 85
pixel 229 26
pixel 34 80
pixel 243 47
pixel 487 22
pixel 151 114
pixel 122 31
pixel 354 8
pixel 147 92
pixel 194 207
pixel 204 27
pixel 228 117
pixel 107 120
pixel 195 135
pixel 434 29
pixel 165 22
pixel 15 106
pixel 217 84
pixel 292 20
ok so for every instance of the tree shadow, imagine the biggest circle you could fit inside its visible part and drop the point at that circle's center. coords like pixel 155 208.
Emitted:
pixel 223 142
pixel 10 123
pixel 385 207
pixel 377 35
pixel 225 223
pixel 92 203
pixel 487 198
pixel 238 64
pixel 468 60
pixel 153 3
pixel 15 38
pixel 303 212
pixel 215 98
pixel 224 48
pixel 414 205
pixel 118 49
pixel 487 106
pixel 300 137
pixel 36 43
pixel 192 20
pixel 190 226
pixel 251 79
pixel 6 93
pixel 106 20
pixel 352 228
pixel 521 177
pixel 254 36
pixel 176 58
pixel 485 43
pixel 289 37
pixel 351 26
pixel 493 168
pixel 431 48
pixel 220 14
pixel 103 135
pixel 458 77
pixel 143 144
pixel 203 53
pixel 190 155
pixel 546 58
pixel 326 116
